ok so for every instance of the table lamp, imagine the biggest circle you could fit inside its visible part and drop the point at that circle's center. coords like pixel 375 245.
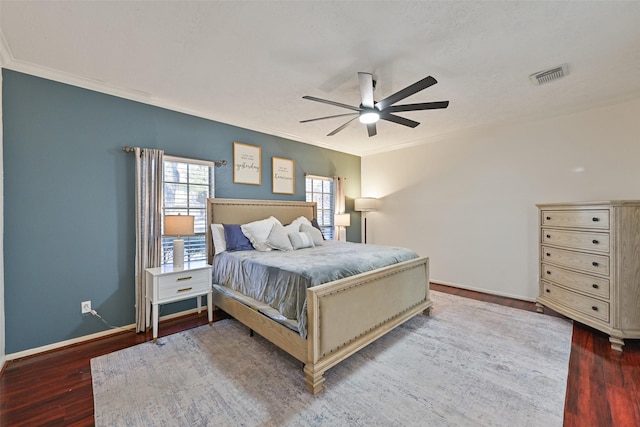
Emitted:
pixel 178 225
pixel 342 220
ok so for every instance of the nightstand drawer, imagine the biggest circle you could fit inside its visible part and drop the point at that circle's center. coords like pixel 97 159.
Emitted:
pixel 588 306
pixel 184 289
pixel 593 285
pixel 598 242
pixel 183 279
pixel 598 219
pixel 582 261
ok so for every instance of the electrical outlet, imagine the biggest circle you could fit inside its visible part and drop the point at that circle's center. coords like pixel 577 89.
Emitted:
pixel 85 307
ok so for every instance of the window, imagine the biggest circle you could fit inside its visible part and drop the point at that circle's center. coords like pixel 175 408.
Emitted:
pixel 187 183
pixel 319 189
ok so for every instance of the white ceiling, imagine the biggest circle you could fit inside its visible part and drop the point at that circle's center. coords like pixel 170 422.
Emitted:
pixel 249 63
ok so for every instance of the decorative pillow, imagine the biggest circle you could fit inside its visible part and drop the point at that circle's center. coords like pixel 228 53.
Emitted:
pixel 301 240
pixel 294 227
pixel 258 232
pixel 278 238
pixel 314 222
pixel 219 242
pixel 315 234
pixel 236 240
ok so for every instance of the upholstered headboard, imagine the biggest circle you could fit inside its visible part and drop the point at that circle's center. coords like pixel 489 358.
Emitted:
pixel 241 211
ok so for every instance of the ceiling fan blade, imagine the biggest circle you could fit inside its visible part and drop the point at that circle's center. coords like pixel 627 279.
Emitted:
pixel 326 101
pixel 371 128
pixel 342 127
pixel 327 117
pixel 407 91
pixel 399 120
pixel 366 89
pixel 416 107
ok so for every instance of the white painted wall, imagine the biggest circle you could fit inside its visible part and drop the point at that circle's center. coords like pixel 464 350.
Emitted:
pixel 468 200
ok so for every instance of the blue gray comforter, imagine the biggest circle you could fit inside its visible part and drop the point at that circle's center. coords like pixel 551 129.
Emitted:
pixel 280 279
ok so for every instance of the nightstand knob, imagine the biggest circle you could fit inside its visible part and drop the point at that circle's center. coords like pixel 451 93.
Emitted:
pixel 594 219
pixel 548 291
pixel 548 236
pixel 595 242
pixel 548 254
pixel 594 286
pixel 594 308
pixel 548 273
pixel 548 218
pixel 595 264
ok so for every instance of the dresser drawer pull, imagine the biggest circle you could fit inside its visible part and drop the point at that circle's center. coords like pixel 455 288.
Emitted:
pixel 184 278
pixel 548 254
pixel 595 264
pixel 548 218
pixel 185 289
pixel 548 291
pixel 548 273
pixel 595 242
pixel 594 286
pixel 594 308
pixel 548 236
pixel 594 219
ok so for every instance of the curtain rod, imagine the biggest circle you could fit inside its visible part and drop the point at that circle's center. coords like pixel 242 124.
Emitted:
pixel 128 149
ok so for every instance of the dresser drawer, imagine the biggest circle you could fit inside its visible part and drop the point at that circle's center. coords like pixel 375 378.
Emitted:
pixel 598 242
pixel 596 219
pixel 183 283
pixel 582 261
pixel 588 306
pixel 585 283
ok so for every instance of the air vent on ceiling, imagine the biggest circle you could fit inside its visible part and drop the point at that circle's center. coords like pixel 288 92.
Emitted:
pixel 546 76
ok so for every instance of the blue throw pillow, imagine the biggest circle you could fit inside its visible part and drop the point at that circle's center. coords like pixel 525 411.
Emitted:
pixel 314 222
pixel 236 240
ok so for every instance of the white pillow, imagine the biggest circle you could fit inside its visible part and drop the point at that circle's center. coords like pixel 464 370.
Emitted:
pixel 301 240
pixel 278 238
pixel 294 227
pixel 219 241
pixel 316 234
pixel 258 232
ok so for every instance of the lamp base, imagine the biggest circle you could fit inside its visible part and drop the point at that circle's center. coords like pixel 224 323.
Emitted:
pixel 178 253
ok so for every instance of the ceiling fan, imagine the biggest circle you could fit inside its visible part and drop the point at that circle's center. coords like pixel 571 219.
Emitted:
pixel 370 111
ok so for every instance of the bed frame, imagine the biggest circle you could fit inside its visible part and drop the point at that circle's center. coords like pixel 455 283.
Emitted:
pixel 344 315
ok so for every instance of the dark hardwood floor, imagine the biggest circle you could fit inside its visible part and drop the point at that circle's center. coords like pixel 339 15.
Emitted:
pixel 54 388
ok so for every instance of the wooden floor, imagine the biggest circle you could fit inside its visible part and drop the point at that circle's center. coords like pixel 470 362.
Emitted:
pixel 603 386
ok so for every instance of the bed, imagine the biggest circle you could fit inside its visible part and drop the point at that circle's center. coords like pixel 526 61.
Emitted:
pixel 342 316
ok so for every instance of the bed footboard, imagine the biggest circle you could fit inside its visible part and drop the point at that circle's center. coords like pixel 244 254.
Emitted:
pixel 346 315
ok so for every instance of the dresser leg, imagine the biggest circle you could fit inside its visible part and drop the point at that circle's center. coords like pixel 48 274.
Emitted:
pixel 616 343
pixel 539 308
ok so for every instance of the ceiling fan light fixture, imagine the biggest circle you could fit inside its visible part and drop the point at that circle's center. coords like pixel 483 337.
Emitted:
pixel 368 117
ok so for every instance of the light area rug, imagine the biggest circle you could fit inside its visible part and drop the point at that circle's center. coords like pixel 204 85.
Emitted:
pixel 469 364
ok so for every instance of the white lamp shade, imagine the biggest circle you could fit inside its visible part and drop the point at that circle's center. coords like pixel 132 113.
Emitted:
pixel 342 220
pixel 366 204
pixel 178 225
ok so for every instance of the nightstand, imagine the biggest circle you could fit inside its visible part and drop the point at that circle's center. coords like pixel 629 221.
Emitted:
pixel 167 284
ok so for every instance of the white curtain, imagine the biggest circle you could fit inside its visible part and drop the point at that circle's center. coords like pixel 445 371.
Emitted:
pixel 339 204
pixel 148 223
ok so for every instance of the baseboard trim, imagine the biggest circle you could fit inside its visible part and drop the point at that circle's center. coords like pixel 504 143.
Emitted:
pixel 484 291
pixel 3 365
pixel 90 337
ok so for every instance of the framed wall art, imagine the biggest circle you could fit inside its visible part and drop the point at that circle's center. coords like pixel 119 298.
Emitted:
pixel 284 171
pixel 247 164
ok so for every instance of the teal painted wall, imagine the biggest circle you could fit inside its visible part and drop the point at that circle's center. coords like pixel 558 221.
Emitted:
pixel 69 199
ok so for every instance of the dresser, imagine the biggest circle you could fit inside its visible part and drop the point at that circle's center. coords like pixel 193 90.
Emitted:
pixel 168 284
pixel 590 265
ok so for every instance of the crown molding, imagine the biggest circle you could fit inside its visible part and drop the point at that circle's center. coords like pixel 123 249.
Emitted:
pixel 74 80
